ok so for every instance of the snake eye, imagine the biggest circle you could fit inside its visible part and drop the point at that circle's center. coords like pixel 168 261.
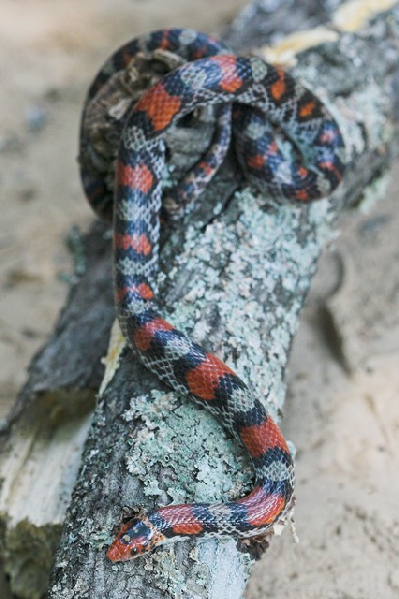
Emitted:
pixel 126 539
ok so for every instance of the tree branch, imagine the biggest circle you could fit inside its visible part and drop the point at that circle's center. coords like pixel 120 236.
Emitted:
pixel 238 274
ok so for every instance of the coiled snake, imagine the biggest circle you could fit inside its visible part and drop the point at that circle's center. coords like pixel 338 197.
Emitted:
pixel 252 97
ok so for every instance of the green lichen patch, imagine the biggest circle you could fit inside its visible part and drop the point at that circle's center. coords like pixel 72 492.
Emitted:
pixel 197 470
pixel 254 271
pixel 169 577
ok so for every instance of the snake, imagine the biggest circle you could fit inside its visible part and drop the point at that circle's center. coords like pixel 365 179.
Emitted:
pixel 253 101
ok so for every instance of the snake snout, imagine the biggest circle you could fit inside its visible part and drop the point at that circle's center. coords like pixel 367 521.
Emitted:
pixel 136 537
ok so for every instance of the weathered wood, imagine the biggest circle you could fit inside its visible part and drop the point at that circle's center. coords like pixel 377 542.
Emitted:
pixel 238 273
pixel 42 440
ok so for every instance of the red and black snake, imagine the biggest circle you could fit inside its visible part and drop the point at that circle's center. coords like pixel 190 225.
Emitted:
pixel 251 98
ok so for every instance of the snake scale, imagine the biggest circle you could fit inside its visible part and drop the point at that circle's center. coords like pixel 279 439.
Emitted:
pixel 251 99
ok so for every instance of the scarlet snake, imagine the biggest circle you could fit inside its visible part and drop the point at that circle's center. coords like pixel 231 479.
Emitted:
pixel 254 89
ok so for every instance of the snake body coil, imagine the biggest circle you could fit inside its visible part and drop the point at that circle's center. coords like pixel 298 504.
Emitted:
pixel 262 96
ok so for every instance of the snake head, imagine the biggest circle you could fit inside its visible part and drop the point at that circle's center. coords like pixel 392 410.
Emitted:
pixel 136 537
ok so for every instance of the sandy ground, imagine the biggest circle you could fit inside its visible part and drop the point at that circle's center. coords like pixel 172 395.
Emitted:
pixel 342 412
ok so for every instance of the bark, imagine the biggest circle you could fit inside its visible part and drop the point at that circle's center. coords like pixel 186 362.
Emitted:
pixel 238 272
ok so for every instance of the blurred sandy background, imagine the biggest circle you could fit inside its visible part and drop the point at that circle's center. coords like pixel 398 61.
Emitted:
pixel 343 410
